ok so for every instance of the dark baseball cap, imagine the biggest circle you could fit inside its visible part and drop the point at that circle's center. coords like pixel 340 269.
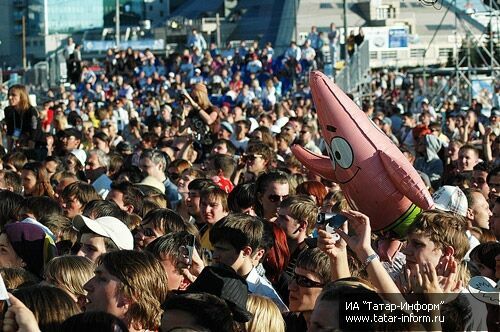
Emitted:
pixel 73 132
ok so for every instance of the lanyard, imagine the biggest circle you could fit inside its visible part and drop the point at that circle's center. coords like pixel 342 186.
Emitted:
pixel 14 118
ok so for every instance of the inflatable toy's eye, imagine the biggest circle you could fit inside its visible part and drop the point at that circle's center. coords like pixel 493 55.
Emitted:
pixel 342 152
pixel 331 155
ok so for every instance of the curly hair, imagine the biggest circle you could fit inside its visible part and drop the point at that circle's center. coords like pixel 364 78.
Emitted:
pixel 443 229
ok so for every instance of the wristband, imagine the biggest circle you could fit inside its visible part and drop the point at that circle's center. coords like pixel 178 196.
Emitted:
pixel 368 260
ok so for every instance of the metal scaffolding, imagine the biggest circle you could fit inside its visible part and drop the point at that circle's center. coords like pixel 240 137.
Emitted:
pixel 464 69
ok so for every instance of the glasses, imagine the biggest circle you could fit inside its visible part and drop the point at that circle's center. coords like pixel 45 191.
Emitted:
pixel 277 198
pixel 174 176
pixel 306 282
pixel 147 232
pixel 251 157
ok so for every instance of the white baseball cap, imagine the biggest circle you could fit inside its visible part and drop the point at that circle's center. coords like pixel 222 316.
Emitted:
pixel 80 155
pixel 109 227
pixel 152 182
pixel 451 199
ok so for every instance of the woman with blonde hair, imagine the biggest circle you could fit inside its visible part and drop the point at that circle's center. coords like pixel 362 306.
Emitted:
pixel 204 117
pixel 70 273
pixel 24 128
pixel 266 315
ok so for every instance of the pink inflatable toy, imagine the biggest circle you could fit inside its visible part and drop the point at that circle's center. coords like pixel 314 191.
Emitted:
pixel 374 175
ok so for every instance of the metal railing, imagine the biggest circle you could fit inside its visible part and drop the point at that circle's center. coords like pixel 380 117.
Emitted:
pixel 48 73
pixel 354 72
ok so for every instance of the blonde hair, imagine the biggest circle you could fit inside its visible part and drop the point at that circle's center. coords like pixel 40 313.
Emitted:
pixel 158 199
pixel 60 121
pixel 70 273
pixel 24 102
pixel 266 315
pixel 445 229
pixel 302 207
pixel 143 281
pixel 200 96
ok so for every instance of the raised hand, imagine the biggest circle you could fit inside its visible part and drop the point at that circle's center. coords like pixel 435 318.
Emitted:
pixel 360 242
pixel 330 245
pixel 192 271
pixel 423 279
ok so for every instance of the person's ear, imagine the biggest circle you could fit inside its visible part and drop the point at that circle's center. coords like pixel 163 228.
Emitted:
pixel 258 254
pixel 129 208
pixel 247 251
pixel 22 263
pixel 123 303
pixel 259 197
pixel 303 225
pixel 470 214
pixel 449 251
pixel 184 284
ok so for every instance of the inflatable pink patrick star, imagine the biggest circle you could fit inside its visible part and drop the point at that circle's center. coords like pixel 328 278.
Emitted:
pixel 374 175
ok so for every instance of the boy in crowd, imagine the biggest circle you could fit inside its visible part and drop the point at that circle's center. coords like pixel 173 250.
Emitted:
pixel 312 272
pixel 236 240
pixel 75 196
pixel 101 236
pixel 213 207
pixel 439 238
pixel 170 250
pixel 297 217
pixel 130 285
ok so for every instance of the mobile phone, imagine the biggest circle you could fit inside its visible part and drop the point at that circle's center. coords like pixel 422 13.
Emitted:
pixel 333 220
pixel 190 248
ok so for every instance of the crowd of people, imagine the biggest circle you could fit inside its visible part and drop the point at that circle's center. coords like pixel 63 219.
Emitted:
pixel 162 195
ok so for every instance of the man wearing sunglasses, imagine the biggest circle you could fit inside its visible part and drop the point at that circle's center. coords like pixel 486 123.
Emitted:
pixel 311 273
pixel 296 216
pixel 256 160
pixel 271 188
pixel 306 139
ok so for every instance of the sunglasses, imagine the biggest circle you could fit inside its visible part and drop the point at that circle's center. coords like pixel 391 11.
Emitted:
pixel 277 198
pixel 251 157
pixel 306 282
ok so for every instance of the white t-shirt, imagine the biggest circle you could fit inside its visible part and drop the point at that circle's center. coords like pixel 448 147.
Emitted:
pixel 473 242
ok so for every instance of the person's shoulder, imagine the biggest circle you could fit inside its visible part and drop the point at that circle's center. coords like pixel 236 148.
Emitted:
pixel 294 322
pixel 475 311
